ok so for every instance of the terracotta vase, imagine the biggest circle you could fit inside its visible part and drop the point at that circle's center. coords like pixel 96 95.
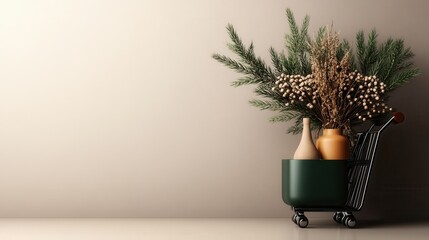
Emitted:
pixel 333 145
pixel 306 148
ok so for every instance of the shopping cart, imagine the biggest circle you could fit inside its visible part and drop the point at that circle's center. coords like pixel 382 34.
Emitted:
pixel 321 193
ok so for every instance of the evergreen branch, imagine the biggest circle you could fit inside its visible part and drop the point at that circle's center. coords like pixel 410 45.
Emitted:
pixel 296 128
pixel 304 28
pixel 285 116
pixel 304 46
pixel 267 104
pixel 366 52
pixel 361 49
pixel 253 67
pixel 285 63
pixel 237 45
pixel 292 64
pixel 393 65
pixel 231 63
pixel 276 60
pixel 402 77
pixel 381 67
pixel 320 33
pixel 265 90
pixel 298 45
pixel 371 52
pixel 292 24
pixel 247 80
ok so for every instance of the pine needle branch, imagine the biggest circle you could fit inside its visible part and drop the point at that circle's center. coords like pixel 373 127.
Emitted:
pixel 267 104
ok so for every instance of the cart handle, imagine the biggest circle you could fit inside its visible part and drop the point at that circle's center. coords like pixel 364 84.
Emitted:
pixel 398 117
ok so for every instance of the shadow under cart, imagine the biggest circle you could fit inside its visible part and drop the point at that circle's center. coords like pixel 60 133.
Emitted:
pixel 337 186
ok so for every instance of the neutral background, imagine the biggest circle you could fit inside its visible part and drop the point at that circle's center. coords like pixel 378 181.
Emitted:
pixel 116 109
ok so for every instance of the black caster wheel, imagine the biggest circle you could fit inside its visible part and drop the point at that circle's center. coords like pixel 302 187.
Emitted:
pixel 345 217
pixel 294 218
pixel 338 216
pixel 302 221
pixel 350 221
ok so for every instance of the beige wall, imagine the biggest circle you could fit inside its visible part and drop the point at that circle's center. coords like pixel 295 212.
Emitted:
pixel 116 109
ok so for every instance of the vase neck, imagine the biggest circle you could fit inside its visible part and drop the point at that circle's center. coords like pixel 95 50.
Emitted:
pixel 306 127
pixel 332 131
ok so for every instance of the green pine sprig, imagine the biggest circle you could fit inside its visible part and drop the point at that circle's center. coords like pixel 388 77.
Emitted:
pixel 390 61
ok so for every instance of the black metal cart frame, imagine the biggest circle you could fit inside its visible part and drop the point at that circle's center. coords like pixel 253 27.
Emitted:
pixel 359 171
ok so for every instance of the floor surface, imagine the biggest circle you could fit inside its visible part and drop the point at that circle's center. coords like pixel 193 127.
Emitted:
pixel 201 229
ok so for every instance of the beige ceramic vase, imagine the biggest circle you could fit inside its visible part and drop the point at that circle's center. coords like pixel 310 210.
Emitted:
pixel 333 145
pixel 306 148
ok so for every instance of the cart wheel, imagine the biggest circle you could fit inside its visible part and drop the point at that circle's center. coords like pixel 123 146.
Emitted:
pixel 338 216
pixel 345 217
pixel 294 218
pixel 350 221
pixel 302 221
